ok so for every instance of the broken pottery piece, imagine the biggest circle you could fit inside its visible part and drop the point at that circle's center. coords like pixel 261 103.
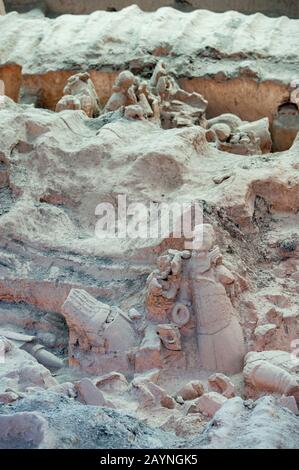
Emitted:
pixel 148 376
pixel 222 131
pixel 207 404
pixel 240 137
pixel 134 314
pixel 162 288
pixel 170 336
pixel 8 397
pixel 263 335
pixel 20 370
pixel 178 107
pixel 134 111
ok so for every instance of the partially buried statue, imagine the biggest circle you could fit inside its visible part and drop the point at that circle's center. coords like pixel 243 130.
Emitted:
pixel 200 294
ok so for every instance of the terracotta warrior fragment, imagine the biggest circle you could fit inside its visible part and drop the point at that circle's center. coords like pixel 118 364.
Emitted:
pixel 80 93
pixel 219 334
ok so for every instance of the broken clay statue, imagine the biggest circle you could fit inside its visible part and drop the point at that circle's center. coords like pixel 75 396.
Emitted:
pixel 29 344
pixel 79 93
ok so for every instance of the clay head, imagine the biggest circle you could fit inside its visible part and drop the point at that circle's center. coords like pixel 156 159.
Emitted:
pixel 203 237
